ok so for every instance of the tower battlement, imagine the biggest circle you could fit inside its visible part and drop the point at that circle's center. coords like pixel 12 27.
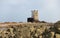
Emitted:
pixel 35 14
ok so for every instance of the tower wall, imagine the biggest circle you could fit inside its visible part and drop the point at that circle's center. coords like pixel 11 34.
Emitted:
pixel 35 14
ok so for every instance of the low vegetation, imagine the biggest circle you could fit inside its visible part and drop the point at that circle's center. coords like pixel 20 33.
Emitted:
pixel 30 31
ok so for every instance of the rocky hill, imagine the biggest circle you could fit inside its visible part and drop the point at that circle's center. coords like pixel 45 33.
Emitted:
pixel 28 30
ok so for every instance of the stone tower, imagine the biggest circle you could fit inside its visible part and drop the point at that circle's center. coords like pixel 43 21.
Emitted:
pixel 35 15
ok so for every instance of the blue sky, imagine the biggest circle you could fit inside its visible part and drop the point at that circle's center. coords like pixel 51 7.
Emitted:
pixel 20 10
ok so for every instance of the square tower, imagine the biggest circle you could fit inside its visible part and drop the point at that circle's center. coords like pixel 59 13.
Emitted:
pixel 35 15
